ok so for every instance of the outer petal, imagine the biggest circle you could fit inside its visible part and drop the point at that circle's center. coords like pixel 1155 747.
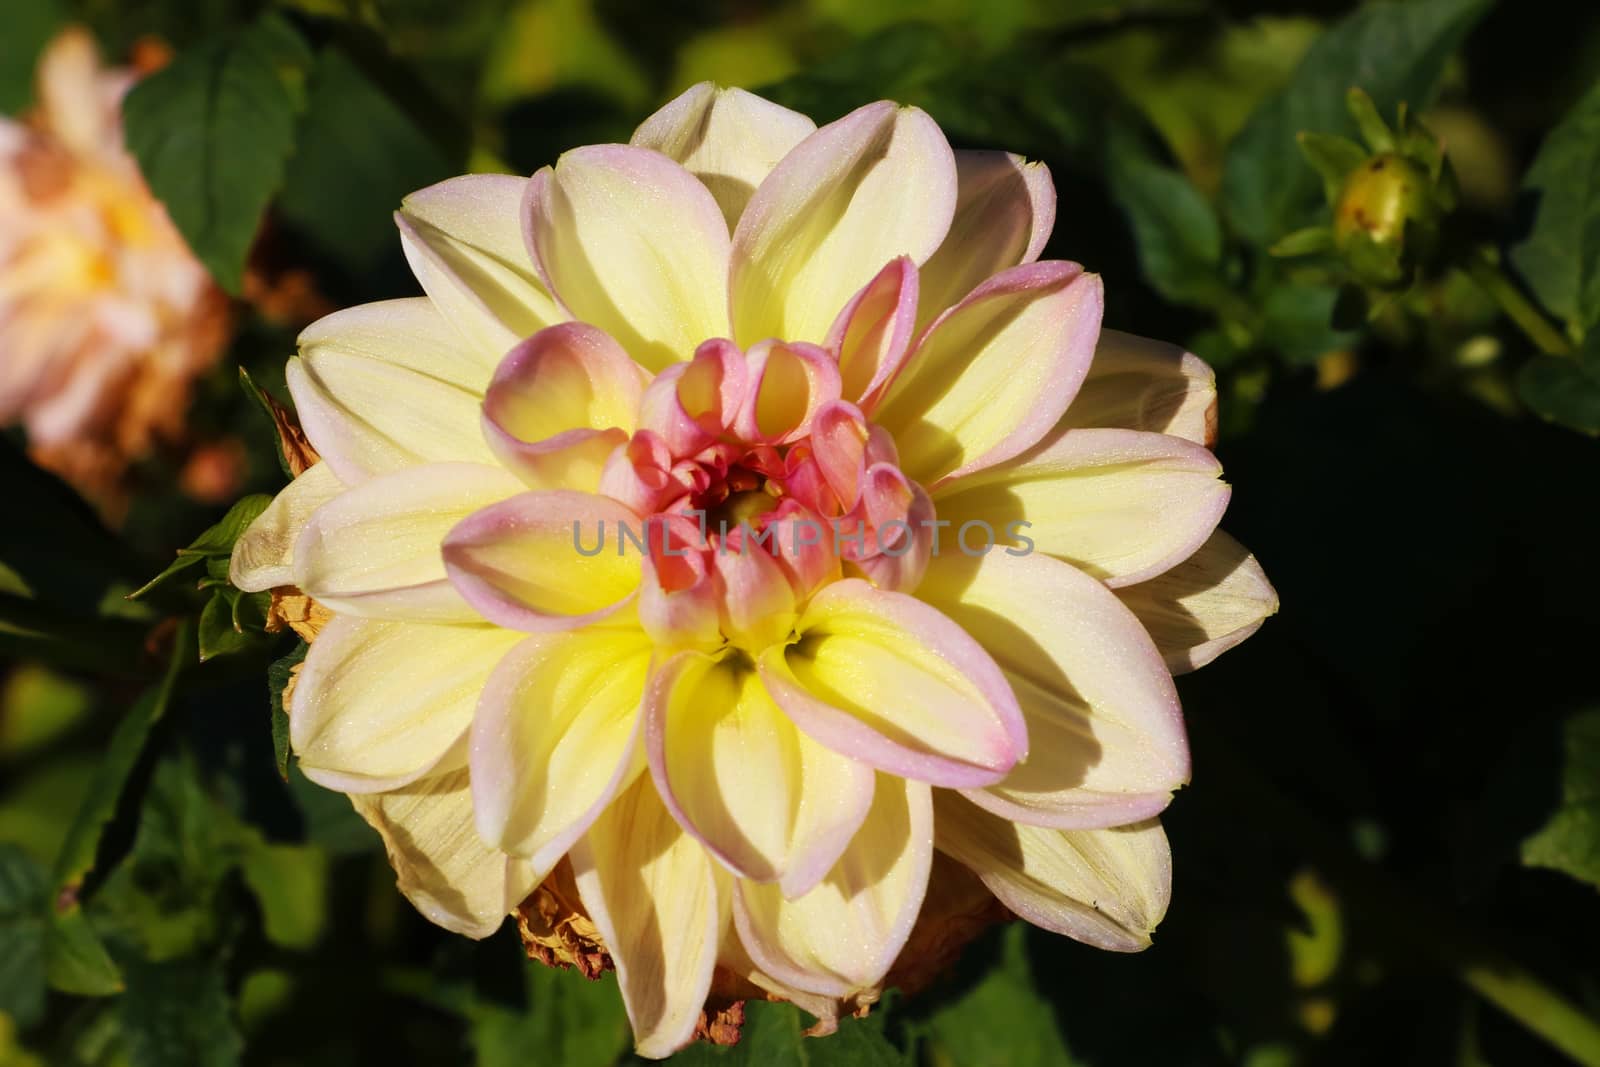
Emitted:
pixel 1005 210
pixel 1106 888
pixel 1120 504
pixel 771 803
pixel 886 679
pixel 634 244
pixel 553 740
pixel 410 333
pixel 993 375
pixel 1103 719
pixel 443 867
pixel 374 550
pixel 728 138
pixel 263 557
pixel 1138 384
pixel 1205 605
pixel 380 704
pixel 842 936
pixel 526 562
pixel 877 184
pixel 787 384
pixel 651 890
pixel 366 416
pixel 463 242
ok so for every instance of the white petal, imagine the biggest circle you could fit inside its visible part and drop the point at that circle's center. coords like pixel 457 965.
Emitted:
pixel 1205 605
pixel 1138 384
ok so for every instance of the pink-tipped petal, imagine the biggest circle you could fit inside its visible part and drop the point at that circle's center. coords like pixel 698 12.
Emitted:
pixel 788 383
pixel 839 443
pixel 769 802
pixel 544 561
pixel 1120 504
pixel 873 334
pixel 1005 210
pixel 877 184
pixel 554 738
pixel 899 566
pixel 888 680
pixel 991 376
pixel 1107 738
pixel 631 242
pixel 842 936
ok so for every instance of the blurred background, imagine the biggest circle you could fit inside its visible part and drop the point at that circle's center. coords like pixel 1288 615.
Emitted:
pixel 1391 848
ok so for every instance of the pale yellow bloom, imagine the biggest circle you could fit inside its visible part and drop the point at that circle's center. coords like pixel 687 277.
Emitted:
pixel 742 756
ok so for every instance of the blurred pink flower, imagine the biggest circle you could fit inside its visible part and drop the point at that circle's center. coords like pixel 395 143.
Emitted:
pixel 105 315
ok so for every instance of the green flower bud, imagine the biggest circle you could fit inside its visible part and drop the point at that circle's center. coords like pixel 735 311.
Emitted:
pixel 1386 220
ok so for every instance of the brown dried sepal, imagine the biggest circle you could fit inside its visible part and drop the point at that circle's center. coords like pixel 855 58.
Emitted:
pixel 557 931
pixel 298 454
pixel 293 609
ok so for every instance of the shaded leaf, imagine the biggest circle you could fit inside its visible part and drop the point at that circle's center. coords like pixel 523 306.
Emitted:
pixel 1570 840
pixel 278 676
pixel 1560 256
pixel 1175 227
pixel 76 960
pixel 1563 389
pixel 24 888
pixel 29 26
pixel 1001 1021
pixel 290 883
pixel 212 133
pixel 177 1014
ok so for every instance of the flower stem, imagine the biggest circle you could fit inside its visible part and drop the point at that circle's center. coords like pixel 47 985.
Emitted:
pixel 1538 1007
pixel 1483 267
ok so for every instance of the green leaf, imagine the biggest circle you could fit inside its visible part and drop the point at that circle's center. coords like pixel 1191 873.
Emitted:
pixel 359 153
pixel 1560 256
pixel 1395 51
pixel 24 889
pixel 1333 158
pixel 99 806
pixel 290 883
pixel 1002 1021
pixel 29 27
pixel 1174 226
pixel 222 628
pixel 177 1014
pixel 572 1020
pixel 212 133
pixel 277 680
pixel 1570 840
pixel 1565 389
pixel 215 543
pixel 76 960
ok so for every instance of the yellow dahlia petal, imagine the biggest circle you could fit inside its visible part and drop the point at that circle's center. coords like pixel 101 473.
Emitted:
pixel 380 704
pixel 409 333
pixel 770 802
pixel 1106 738
pixel 443 867
pixel 1119 504
pixel 728 138
pixel 1005 210
pixel 263 557
pixel 841 937
pixel 1107 888
pixel 632 243
pixel 1135 383
pixel 373 550
pixel 553 739
pixel 990 378
pixel 877 184
pixel 652 892
pixel 886 679
pixel 368 417
pixel 463 239
pixel 1205 605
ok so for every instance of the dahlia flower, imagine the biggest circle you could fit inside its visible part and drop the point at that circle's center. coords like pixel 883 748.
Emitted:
pixel 744 522
pixel 105 315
